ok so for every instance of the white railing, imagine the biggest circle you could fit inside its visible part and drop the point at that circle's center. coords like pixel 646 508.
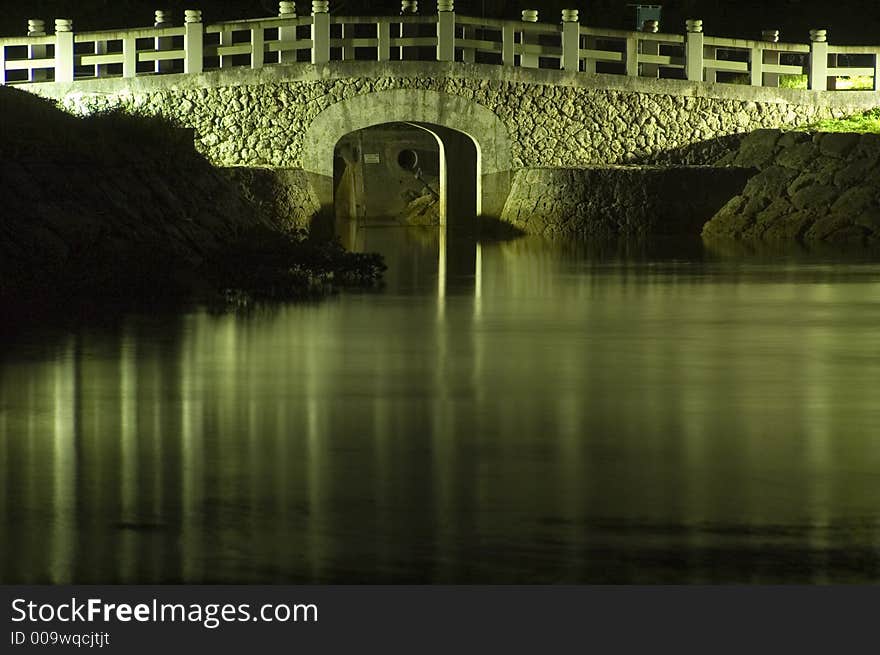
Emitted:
pixel 194 47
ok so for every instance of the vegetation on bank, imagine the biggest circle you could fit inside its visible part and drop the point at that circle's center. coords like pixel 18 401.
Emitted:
pixel 120 208
pixel 267 265
pixel 866 123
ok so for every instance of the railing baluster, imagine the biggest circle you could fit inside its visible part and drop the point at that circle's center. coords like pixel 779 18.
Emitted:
pixel 527 38
pixel 877 71
pixel 383 36
pixel 129 57
pixel 2 64
pixel 507 36
pixel 193 42
pixel 258 47
pixel 320 31
pixel 37 27
pixel 632 56
pixel 650 47
pixel 468 55
pixel 64 60
pixel 818 78
pixel 571 41
pixel 694 51
pixel 770 57
pixel 225 40
pixel 100 49
pixel 756 66
pixel 445 30
pixel 163 19
pixel 287 35
pixel 347 33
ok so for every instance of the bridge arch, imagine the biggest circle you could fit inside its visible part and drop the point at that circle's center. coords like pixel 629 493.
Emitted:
pixel 415 106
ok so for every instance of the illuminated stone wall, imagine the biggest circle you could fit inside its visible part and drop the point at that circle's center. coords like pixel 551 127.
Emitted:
pixel 262 118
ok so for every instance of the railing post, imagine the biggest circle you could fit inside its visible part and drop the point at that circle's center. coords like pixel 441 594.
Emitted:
pixel 258 47
pixel 64 50
pixel 876 71
pixel 129 57
pixel 36 27
pixel 2 64
pixel 287 9
pixel 320 31
pixel 571 41
pixel 225 39
pixel 507 50
pixel 770 57
pixel 408 8
pixel 650 48
pixel 527 38
pixel 100 49
pixel 383 36
pixel 818 79
pixel 632 56
pixel 694 50
pixel 193 41
pixel 469 55
pixel 347 33
pixel 163 19
pixel 445 30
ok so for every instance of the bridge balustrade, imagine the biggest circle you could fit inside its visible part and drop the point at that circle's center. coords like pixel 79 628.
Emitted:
pixel 194 47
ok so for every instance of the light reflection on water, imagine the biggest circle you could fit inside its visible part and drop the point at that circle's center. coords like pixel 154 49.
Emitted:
pixel 508 412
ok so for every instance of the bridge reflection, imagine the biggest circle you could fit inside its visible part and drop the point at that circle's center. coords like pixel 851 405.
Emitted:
pixel 503 412
pixel 424 257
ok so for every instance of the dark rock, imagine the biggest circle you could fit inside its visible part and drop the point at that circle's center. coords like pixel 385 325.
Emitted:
pixel 817 198
pixel 788 227
pixel 789 139
pixel 798 156
pixel 838 144
pixel 869 217
pixel 757 149
pixel 826 226
pixel 770 182
pixel 855 201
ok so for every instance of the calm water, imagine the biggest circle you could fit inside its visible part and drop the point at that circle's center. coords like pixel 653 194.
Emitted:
pixel 509 412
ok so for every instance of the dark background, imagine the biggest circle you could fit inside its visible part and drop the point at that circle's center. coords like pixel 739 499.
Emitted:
pixel 847 21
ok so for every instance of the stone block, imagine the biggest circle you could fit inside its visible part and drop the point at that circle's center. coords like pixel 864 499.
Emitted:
pixel 758 148
pixel 838 144
pixel 798 156
pixel 855 201
pixel 770 182
pixel 816 197
pixel 788 227
pixel 825 227
pixel 789 139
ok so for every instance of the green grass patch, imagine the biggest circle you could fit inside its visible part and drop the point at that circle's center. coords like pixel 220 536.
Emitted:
pixel 869 122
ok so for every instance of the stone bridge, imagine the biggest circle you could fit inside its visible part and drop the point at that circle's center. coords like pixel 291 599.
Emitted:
pixel 282 92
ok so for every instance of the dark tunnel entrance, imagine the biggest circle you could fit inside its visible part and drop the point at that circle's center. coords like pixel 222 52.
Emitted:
pixel 406 174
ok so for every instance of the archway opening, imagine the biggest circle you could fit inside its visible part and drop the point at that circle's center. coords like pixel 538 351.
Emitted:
pixel 407 173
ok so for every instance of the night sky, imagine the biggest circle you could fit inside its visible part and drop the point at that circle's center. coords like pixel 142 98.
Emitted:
pixel 847 21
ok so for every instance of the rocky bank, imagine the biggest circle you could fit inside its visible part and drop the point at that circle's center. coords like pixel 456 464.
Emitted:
pixel 808 187
pixel 117 206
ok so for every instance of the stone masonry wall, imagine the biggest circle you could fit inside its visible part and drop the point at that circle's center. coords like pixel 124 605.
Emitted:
pixel 553 119
pixel 619 201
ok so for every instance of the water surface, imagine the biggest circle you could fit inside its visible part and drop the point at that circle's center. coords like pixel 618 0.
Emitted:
pixel 499 412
